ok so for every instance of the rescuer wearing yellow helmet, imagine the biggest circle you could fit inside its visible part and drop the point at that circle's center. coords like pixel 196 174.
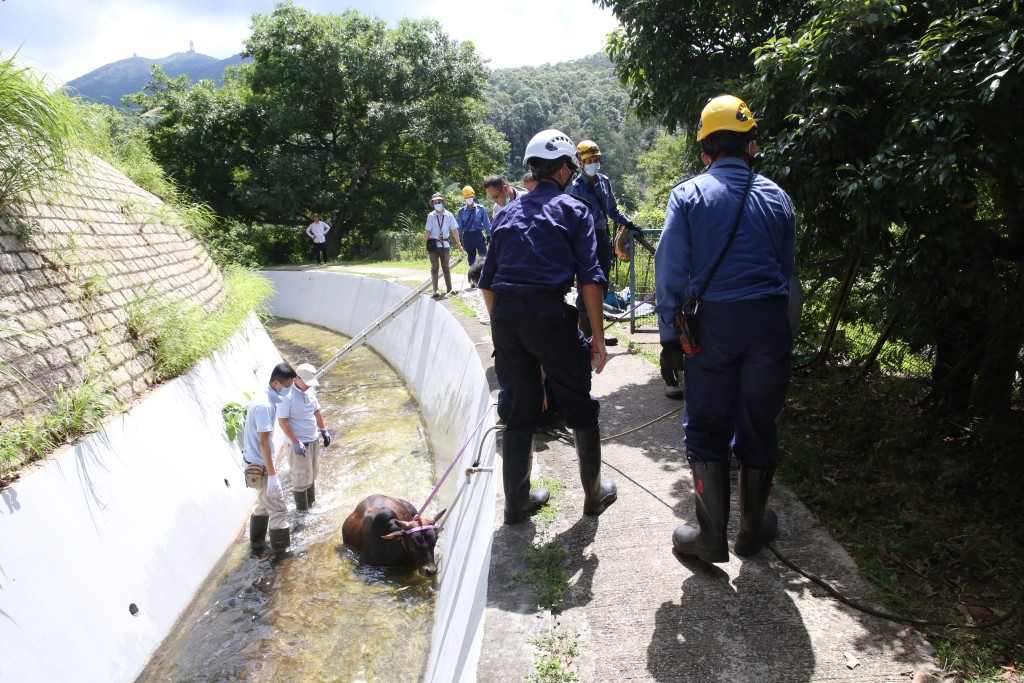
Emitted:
pixel 474 225
pixel 596 190
pixel 724 261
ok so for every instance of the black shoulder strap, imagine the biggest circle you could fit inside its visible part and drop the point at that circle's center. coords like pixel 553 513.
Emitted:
pixel 732 236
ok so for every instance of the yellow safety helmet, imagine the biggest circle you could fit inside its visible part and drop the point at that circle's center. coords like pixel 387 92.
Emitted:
pixel 725 112
pixel 587 149
pixel 467 191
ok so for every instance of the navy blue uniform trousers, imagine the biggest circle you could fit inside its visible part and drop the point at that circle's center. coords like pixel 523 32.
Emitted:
pixel 474 244
pixel 735 388
pixel 530 332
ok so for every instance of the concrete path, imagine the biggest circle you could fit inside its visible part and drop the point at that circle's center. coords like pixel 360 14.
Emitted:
pixel 641 614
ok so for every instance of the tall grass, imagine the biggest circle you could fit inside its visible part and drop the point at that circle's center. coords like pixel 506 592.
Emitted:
pixel 119 138
pixel 179 333
pixel 37 129
pixel 76 411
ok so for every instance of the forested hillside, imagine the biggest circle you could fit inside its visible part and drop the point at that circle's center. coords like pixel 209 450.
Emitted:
pixel 582 98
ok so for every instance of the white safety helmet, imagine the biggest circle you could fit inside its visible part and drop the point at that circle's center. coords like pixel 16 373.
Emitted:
pixel 550 144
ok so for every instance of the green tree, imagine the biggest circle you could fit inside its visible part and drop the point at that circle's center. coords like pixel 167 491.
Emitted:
pixel 674 56
pixel 335 113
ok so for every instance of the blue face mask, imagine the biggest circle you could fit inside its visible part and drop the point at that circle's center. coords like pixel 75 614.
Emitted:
pixel 592 169
pixel 439 207
pixel 284 391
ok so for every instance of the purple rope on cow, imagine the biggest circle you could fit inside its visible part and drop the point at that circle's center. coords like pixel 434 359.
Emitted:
pixel 455 460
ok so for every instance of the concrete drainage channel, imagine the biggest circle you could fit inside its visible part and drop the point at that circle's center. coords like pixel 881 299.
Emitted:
pixel 106 542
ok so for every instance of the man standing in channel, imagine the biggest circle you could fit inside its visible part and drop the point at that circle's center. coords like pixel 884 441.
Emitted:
pixel 258 449
pixel 318 230
pixel 302 422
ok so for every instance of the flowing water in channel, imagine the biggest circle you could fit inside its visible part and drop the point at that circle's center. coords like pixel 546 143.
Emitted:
pixel 315 615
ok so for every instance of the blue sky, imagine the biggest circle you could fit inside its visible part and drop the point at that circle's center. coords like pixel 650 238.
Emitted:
pixel 69 38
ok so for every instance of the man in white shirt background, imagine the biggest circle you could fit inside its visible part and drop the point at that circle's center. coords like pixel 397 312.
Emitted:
pixel 318 230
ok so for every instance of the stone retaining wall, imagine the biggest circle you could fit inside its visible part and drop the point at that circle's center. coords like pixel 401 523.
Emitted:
pixel 70 266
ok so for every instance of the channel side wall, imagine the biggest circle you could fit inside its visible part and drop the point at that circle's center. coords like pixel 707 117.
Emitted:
pixel 430 349
pixel 138 513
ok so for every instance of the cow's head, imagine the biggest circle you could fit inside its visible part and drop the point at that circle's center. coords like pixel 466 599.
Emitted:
pixel 418 537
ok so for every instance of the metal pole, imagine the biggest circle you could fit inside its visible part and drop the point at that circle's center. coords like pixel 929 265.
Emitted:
pixel 386 317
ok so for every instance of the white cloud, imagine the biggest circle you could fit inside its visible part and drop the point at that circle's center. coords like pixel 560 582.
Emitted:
pixel 70 39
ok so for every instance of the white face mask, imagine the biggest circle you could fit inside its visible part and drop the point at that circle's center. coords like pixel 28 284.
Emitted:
pixel 439 207
pixel 592 169
pixel 469 201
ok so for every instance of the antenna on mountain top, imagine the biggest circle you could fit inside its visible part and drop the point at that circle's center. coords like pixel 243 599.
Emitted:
pixel 191 46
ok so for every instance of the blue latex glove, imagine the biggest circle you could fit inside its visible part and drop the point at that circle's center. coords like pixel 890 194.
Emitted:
pixel 326 434
pixel 299 447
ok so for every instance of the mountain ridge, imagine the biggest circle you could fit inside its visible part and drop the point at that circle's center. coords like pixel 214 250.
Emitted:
pixel 110 82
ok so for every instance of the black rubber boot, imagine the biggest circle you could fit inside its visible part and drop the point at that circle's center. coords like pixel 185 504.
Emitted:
pixel 311 494
pixel 280 539
pixel 301 501
pixel 757 524
pixel 516 465
pixel 711 492
pixel 600 493
pixel 258 532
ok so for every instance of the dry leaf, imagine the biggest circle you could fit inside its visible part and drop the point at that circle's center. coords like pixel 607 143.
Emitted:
pixel 976 612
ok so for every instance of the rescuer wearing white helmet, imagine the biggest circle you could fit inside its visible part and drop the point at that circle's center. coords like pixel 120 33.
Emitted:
pixel 725 257
pixel 540 243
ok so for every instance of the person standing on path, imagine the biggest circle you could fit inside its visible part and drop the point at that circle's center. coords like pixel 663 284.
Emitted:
pixel 302 421
pixel 539 245
pixel 318 230
pixel 726 256
pixel 595 189
pixel 258 449
pixel 474 226
pixel 441 227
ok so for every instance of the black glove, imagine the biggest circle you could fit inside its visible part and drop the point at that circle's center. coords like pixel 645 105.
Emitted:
pixel 327 437
pixel 671 361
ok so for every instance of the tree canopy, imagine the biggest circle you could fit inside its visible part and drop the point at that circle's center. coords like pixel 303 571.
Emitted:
pixel 338 114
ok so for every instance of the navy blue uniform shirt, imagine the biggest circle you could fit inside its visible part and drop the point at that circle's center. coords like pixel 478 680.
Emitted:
pixel 701 212
pixel 540 243
pixel 473 219
pixel 598 194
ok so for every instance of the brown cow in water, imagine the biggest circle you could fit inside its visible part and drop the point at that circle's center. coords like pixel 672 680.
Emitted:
pixel 386 532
